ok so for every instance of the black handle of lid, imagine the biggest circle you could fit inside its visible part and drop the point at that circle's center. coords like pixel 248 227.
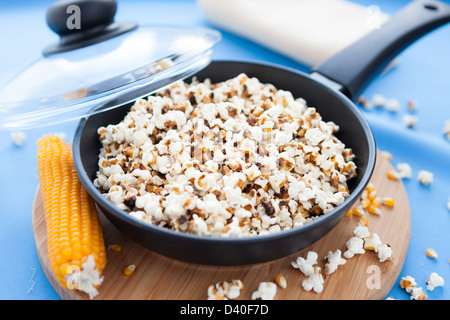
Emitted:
pixel 355 66
pixel 80 23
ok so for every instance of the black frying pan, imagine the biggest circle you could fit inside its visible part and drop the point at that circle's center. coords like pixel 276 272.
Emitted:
pixel 330 88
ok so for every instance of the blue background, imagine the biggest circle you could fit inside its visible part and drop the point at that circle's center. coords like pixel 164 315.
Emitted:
pixel 422 75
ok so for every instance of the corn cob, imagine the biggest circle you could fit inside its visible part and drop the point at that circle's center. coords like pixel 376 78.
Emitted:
pixel 75 239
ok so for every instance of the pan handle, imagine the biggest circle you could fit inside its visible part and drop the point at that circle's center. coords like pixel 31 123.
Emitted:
pixel 353 68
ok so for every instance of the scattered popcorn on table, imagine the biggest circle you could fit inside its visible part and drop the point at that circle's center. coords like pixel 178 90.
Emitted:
pixel 281 281
pixel 334 260
pixel 379 100
pixel 434 280
pixel 266 291
pixel 407 283
pixel 306 266
pixel 354 246
pixel 233 159
pixel 410 120
pixel 404 170
pixel 431 253
pixel 373 242
pixel 384 253
pixel 392 105
pixel 18 137
pixel 314 281
pixel 418 294
pixel 225 290
pixel 425 177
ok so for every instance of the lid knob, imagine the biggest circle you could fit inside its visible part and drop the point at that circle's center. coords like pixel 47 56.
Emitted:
pixel 80 23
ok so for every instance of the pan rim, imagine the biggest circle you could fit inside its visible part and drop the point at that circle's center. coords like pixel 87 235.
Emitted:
pixel 146 227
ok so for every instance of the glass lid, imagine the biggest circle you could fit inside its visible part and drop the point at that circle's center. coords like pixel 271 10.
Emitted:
pixel 70 84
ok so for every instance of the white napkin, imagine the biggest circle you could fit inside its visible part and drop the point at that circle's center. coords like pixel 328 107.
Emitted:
pixel 308 31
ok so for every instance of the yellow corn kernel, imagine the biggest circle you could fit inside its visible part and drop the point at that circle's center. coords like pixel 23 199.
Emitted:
pixel 376 202
pixel 366 203
pixel 363 221
pixel 74 233
pixel 372 195
pixel 431 253
pixel 358 211
pixel 388 201
pixel 349 213
pixel 129 270
pixel 370 187
pixel 374 210
pixel 392 174
pixel 115 247
pixel 364 194
pixel 281 281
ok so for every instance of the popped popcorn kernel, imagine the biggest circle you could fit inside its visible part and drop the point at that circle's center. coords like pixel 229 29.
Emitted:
pixel 418 294
pixel 225 290
pixel 408 283
pixel 425 177
pixel 265 291
pixel 434 281
pixel 314 281
pixel 306 266
pixel 334 260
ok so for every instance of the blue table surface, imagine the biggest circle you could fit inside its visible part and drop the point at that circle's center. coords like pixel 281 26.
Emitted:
pixel 422 75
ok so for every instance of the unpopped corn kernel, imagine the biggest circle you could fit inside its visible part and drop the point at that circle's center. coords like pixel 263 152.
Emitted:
pixel 281 281
pixel 129 270
pixel 115 247
pixel 431 253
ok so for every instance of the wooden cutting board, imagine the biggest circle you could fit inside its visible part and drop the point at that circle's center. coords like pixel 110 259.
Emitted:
pixel 158 277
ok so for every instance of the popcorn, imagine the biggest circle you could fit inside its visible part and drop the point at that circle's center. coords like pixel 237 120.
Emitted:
pixel 373 243
pixel 418 294
pixel 306 266
pixel 384 253
pixel 404 170
pixel 407 283
pixel 354 246
pixel 425 177
pixel 314 281
pixel 225 290
pixel 334 260
pixel 18 137
pixel 410 120
pixel 392 105
pixel 237 158
pixel 266 291
pixel 434 280
pixel 378 100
